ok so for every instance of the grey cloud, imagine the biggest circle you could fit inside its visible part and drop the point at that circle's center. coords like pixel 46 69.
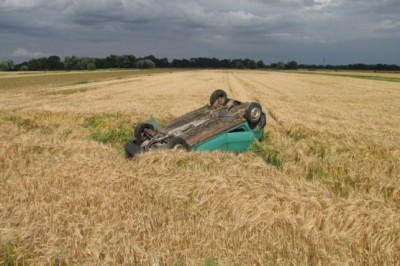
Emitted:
pixel 263 29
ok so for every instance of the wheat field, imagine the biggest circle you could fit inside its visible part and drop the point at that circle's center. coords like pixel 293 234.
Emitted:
pixel 321 188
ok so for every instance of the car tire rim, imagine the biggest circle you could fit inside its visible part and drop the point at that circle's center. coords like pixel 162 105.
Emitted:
pixel 221 100
pixel 178 147
pixel 255 113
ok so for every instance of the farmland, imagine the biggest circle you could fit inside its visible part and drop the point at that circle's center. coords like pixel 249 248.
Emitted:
pixel 322 187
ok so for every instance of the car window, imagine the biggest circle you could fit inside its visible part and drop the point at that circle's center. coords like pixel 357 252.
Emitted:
pixel 240 129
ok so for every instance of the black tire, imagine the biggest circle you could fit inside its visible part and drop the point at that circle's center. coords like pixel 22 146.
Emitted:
pixel 178 143
pixel 220 96
pixel 261 123
pixel 131 149
pixel 140 132
pixel 128 153
pixel 253 113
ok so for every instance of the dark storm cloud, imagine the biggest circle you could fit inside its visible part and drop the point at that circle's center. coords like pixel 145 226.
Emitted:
pixel 303 30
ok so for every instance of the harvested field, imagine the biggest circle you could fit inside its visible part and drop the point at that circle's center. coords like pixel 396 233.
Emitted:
pixel 321 188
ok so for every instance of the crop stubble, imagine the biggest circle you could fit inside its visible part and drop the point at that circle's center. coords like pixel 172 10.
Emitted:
pixel 334 200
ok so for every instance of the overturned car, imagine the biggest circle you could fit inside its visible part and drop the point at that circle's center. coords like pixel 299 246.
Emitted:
pixel 223 124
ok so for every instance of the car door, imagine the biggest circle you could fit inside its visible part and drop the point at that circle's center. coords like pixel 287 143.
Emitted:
pixel 216 143
pixel 240 140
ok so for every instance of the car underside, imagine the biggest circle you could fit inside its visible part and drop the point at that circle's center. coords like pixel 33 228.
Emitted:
pixel 223 124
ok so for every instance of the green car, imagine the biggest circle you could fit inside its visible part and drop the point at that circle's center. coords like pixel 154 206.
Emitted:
pixel 224 124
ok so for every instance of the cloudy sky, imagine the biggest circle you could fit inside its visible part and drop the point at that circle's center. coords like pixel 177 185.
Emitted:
pixel 341 31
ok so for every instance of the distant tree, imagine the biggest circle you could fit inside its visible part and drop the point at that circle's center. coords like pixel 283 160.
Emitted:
pixel 77 63
pixel 3 66
pixel 160 62
pixel 238 64
pixel 260 64
pixel 280 65
pixel 91 66
pixel 100 63
pixel 84 62
pixel 38 64
pixel 145 63
pixel 151 58
pixel 71 62
pixel 54 63
pixel 251 64
pixel 110 61
pixel 163 62
pixel 358 67
pixel 125 61
pixel 291 65
pixel 225 63
pixel 18 67
pixel 6 65
pixel 181 63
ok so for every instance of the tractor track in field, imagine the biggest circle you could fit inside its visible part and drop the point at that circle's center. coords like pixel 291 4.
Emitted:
pixel 264 91
pixel 236 89
pixel 252 88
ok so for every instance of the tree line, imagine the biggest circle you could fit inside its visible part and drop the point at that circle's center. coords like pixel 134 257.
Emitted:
pixel 126 61
pixel 368 67
pixel 130 61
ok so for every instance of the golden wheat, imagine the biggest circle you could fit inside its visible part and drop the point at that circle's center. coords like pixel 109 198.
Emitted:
pixel 324 188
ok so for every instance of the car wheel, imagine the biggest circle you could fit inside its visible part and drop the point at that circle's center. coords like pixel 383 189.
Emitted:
pixel 253 113
pixel 263 121
pixel 140 132
pixel 131 149
pixel 177 143
pixel 218 96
